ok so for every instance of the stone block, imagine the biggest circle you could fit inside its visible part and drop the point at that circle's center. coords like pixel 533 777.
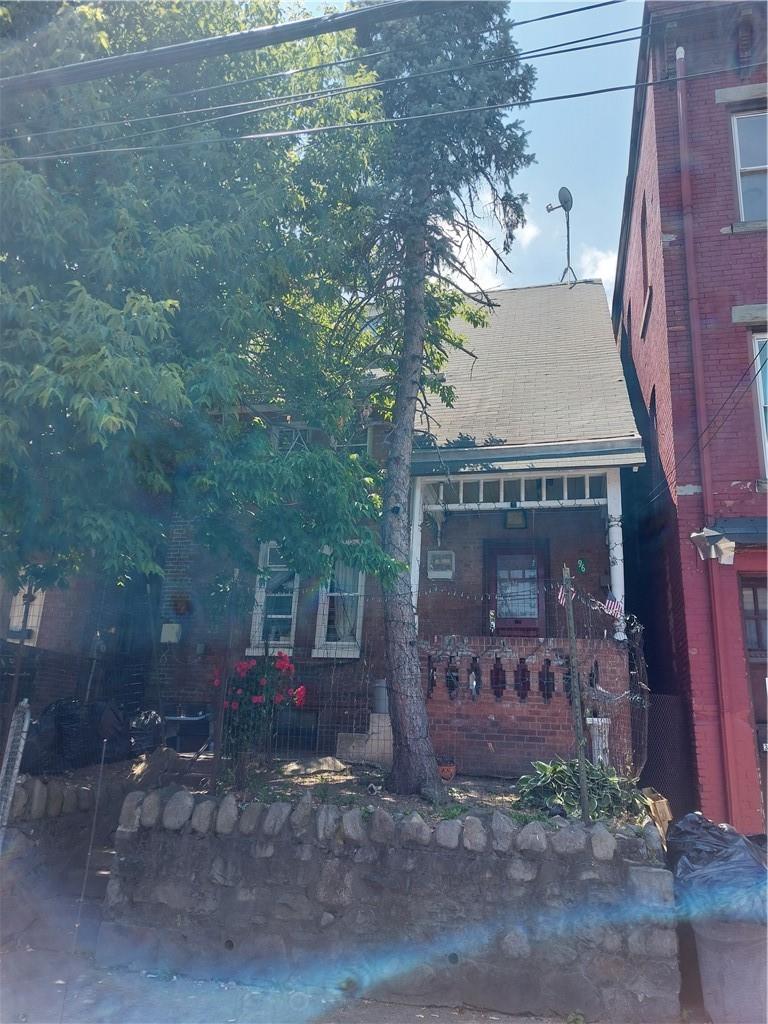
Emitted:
pixel 55 800
pixel 294 906
pixel 326 919
pixel 69 803
pixel 532 838
pixel 652 886
pixel 84 798
pixel 661 942
pixel 474 838
pixel 263 851
pixel 178 810
pixel 603 843
pixel 224 872
pixel 328 818
pixel 38 798
pixel 202 816
pixel 382 828
pixel 503 832
pixel 515 943
pixel 150 809
pixel 250 817
pixel 569 841
pixel 448 834
pixel 130 813
pixel 636 942
pixel 415 830
pixel 226 816
pixel 301 816
pixel 653 843
pixel 276 816
pixel 352 828
pixel 19 802
pixel 334 887
pixel 521 870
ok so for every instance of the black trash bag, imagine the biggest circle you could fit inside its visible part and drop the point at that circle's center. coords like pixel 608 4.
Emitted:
pixel 107 722
pixel 718 871
pixel 42 753
pixel 146 732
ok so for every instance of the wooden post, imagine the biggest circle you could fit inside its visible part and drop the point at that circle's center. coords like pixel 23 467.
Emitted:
pixel 13 694
pixel 578 722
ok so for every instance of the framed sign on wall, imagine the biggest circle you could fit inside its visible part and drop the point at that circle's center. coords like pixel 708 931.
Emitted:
pixel 441 565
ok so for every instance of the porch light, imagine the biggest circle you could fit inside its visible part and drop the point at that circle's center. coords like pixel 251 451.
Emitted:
pixel 712 544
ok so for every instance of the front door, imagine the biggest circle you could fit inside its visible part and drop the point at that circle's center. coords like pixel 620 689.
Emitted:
pixel 515 587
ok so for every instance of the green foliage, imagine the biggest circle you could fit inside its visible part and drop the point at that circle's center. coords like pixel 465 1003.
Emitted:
pixel 557 782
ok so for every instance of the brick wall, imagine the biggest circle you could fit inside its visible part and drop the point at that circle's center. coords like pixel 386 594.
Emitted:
pixel 731 271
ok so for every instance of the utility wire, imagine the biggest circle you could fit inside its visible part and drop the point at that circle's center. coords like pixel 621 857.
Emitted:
pixel 304 99
pixel 659 488
pixel 285 133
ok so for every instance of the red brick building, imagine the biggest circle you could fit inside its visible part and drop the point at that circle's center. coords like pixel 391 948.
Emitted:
pixel 690 316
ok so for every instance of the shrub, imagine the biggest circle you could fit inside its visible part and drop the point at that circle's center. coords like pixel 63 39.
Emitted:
pixel 557 782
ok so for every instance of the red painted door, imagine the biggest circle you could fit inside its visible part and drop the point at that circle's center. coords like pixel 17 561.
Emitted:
pixel 515 588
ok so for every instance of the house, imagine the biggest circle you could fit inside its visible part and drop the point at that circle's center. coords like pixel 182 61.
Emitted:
pixel 690 315
pixel 519 477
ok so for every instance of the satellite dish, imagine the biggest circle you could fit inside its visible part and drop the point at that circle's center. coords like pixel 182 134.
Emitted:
pixel 565 199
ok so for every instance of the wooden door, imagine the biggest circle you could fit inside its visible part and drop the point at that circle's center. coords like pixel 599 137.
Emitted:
pixel 515 575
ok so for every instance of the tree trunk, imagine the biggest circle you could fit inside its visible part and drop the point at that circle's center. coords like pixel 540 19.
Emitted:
pixel 414 767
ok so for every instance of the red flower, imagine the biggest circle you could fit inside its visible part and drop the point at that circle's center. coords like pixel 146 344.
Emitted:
pixel 279 698
pixel 226 703
pixel 242 668
pixel 235 705
pixel 283 663
pixel 300 696
pixel 257 698
pixel 290 693
pixel 240 693
pixel 216 681
pixel 263 681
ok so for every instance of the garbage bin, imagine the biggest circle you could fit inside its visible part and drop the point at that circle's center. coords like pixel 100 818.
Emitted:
pixel 720 887
pixel 732 958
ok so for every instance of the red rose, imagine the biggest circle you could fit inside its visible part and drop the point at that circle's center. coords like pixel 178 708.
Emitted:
pixel 257 698
pixel 216 682
pixel 239 693
pixel 263 681
pixel 235 705
pixel 241 668
pixel 226 703
pixel 300 696
pixel 279 698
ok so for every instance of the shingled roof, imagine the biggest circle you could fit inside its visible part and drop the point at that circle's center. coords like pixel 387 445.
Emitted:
pixel 545 372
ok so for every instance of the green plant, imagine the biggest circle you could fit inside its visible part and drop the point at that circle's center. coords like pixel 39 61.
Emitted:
pixel 451 811
pixel 557 782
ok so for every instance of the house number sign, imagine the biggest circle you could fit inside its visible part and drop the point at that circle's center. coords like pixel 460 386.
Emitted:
pixel 581 565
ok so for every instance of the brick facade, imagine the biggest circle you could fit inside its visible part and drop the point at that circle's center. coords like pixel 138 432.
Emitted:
pixel 691 366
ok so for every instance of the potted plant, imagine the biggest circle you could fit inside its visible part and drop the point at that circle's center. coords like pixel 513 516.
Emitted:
pixel 446 767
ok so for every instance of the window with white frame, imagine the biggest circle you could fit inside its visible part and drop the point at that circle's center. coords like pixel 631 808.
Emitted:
pixel 573 489
pixel 340 614
pixel 16 617
pixel 750 140
pixel 760 342
pixel 273 626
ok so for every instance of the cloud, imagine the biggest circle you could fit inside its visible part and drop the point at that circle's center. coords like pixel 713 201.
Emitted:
pixel 598 263
pixel 527 234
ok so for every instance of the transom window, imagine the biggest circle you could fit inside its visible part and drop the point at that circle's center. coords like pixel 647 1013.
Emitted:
pixel 750 140
pixel 754 607
pixel 501 492
pixel 273 625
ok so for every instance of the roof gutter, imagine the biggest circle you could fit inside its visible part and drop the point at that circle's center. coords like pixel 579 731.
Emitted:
pixel 626 451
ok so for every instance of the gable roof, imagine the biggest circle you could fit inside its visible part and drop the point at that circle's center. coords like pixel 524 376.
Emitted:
pixel 546 373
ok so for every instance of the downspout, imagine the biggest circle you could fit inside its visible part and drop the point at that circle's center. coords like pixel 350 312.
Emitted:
pixel 728 738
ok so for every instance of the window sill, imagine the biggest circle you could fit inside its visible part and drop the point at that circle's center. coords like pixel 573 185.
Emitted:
pixel 350 651
pixel 257 652
pixel 744 227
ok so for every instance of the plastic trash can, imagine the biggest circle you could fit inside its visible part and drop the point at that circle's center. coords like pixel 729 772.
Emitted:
pixel 732 963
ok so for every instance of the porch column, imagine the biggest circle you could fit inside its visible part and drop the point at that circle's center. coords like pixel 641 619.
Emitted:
pixel 616 544
pixel 416 515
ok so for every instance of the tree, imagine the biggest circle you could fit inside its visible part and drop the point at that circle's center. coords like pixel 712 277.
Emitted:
pixel 155 302
pixel 432 178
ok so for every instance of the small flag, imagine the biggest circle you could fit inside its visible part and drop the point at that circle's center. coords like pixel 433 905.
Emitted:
pixel 613 607
pixel 561 595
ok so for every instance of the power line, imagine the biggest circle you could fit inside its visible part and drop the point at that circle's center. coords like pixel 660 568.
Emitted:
pixel 659 488
pixel 378 122
pixel 313 97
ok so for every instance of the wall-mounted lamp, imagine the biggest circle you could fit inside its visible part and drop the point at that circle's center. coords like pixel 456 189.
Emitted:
pixel 712 544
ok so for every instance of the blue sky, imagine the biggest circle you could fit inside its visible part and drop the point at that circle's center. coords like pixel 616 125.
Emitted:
pixel 581 143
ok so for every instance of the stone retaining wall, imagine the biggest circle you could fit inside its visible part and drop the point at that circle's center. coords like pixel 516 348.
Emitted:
pixel 34 799
pixel 540 918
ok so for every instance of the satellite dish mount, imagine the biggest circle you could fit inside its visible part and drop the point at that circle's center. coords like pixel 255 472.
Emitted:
pixel 565 200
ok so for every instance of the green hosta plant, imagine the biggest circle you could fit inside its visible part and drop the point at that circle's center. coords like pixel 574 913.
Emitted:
pixel 557 782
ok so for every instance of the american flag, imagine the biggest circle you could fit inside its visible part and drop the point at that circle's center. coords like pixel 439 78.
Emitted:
pixel 561 595
pixel 613 607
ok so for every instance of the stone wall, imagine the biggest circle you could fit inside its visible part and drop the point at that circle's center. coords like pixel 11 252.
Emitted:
pixel 545 917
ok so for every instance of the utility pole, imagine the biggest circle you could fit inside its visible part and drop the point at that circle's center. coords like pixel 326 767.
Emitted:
pixel 216 46
pixel 578 721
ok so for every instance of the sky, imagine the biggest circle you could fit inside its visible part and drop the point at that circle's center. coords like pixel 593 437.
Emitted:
pixel 580 143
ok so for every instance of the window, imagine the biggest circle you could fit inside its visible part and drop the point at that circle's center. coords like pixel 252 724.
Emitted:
pixel 754 607
pixel 274 607
pixel 761 358
pixel 340 614
pixel 749 143
pixel 291 439
pixel 16 617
